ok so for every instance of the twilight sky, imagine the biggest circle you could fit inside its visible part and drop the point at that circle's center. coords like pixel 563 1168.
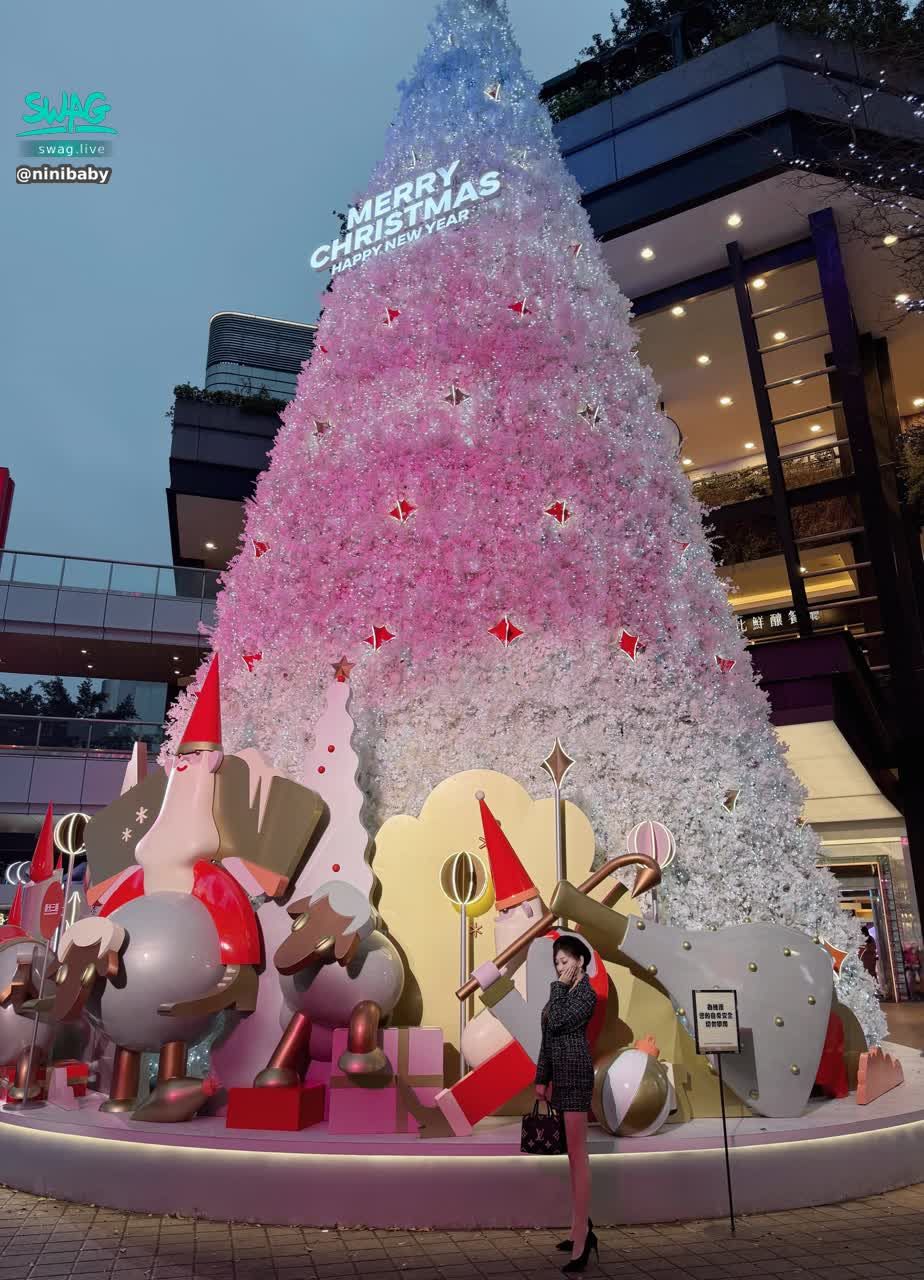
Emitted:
pixel 241 126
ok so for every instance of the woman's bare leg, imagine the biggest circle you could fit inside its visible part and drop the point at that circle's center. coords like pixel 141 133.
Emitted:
pixel 579 1164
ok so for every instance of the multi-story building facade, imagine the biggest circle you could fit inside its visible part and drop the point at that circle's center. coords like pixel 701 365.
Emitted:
pixel 774 323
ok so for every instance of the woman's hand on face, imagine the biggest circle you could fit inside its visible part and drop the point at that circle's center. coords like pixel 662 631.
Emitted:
pixel 570 973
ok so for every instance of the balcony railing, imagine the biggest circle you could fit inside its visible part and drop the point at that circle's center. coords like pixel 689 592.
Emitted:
pixel 62 733
pixel 80 595
pixel 806 467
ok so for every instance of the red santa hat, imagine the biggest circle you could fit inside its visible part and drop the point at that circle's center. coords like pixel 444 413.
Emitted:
pixel 13 929
pixel 512 884
pixel 43 859
pixel 203 731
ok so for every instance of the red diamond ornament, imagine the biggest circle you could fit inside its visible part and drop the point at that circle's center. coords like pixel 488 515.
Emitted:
pixel 629 644
pixel 322 428
pixel 505 631
pixel 575 250
pixel 519 307
pixel 402 511
pixel 251 659
pixel 493 91
pixel 391 315
pixel 456 394
pixel 380 636
pixel 559 511
pixel 259 548
pixel 590 413
pixel 725 664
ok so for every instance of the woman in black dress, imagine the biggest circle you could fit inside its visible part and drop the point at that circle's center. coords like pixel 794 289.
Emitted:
pixel 565 1079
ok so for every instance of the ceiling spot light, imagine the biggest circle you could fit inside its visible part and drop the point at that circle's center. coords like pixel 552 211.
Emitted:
pixel 83 651
pixel 688 462
pixel 758 283
pixel 647 253
pixel 890 239
pixel 89 666
pixel 678 311
pixel 176 671
pixel 704 360
pixel 797 382
pixel 725 401
pixel 918 402
pixel 902 298
pixel 734 220
pixel 816 426
pixel 802 569
pixel 780 335
pixel 749 444
pixel 176 657
pixel 210 546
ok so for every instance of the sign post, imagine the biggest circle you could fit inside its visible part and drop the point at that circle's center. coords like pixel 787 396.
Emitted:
pixel 715 1016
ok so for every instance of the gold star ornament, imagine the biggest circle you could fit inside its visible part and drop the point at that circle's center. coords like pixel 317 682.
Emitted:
pixel 557 763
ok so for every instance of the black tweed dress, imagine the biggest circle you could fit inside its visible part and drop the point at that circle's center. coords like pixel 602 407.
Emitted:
pixel 564 1059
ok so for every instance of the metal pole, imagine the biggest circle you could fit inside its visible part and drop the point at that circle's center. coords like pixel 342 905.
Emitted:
pixel 559 843
pixel 731 1206
pixel 28 1084
pixel 463 973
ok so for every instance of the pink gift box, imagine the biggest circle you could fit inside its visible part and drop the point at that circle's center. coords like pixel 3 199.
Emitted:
pixel 415 1054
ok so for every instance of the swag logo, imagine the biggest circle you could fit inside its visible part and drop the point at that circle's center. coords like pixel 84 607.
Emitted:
pixel 62 127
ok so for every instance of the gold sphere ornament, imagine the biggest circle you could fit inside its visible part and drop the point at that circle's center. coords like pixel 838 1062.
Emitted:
pixel 787 951
pixel 652 969
pixel 681 1013
pixel 752 967
pixel 794 1069
pixel 632 1094
pixel 70 833
pixel 640 924
pixel 812 1000
pixel 778 1021
pixel 687 946
pixel 465 882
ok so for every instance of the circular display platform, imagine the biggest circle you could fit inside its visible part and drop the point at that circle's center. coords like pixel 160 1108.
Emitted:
pixel 836 1151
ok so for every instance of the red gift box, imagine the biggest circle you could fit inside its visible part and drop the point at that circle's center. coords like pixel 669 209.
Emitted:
pixel 285 1110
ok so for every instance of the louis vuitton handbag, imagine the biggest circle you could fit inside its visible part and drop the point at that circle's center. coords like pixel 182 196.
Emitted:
pixel 543 1135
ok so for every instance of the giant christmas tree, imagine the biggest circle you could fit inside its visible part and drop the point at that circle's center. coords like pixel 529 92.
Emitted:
pixel 473 499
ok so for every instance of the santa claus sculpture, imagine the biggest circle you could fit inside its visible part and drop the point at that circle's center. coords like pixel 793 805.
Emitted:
pixel 176 940
pixel 502 1042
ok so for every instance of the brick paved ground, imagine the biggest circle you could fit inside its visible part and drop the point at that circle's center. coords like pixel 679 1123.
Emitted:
pixel 47 1240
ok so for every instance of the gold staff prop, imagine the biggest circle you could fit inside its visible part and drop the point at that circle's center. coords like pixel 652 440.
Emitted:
pixel 649 875
pixel 556 764
pixel 463 879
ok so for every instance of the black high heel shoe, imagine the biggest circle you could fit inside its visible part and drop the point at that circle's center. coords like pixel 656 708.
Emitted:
pixel 580 1264
pixel 565 1246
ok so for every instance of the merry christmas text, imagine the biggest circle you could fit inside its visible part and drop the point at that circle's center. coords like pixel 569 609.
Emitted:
pixel 430 203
